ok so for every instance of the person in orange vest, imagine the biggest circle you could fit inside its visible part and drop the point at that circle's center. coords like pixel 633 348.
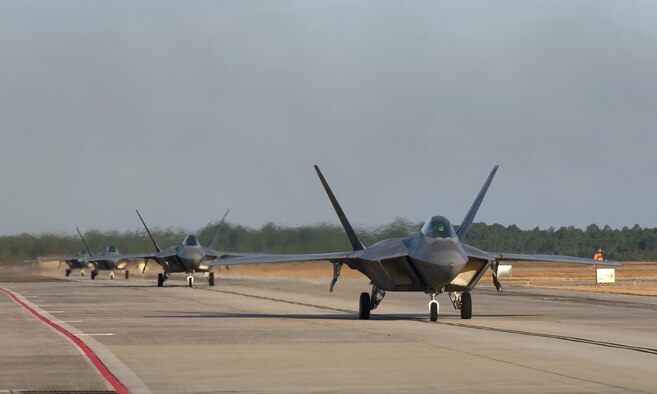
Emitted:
pixel 598 256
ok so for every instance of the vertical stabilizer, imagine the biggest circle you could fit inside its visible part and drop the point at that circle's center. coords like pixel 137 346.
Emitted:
pixel 353 238
pixel 84 242
pixel 157 247
pixel 216 231
pixel 467 221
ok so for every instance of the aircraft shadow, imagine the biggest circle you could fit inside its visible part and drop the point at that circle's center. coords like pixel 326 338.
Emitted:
pixel 332 316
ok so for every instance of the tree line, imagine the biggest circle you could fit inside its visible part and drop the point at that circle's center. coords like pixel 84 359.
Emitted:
pixel 626 244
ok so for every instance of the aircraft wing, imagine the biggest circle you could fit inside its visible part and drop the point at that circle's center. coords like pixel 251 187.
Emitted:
pixel 285 258
pixel 211 254
pixel 132 256
pixel 547 258
pixel 49 259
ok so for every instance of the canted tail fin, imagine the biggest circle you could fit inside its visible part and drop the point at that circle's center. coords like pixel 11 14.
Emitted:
pixel 353 238
pixel 216 231
pixel 467 221
pixel 86 245
pixel 157 247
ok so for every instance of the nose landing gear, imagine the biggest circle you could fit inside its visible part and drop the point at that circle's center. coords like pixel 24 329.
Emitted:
pixel 434 307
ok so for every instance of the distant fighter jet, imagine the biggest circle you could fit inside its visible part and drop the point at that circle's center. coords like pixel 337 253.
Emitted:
pixel 109 260
pixel 187 257
pixel 434 261
pixel 75 261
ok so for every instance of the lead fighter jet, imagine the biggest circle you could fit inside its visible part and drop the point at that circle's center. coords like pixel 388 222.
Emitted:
pixel 434 261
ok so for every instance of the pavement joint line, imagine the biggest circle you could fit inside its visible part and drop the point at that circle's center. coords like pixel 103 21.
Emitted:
pixel 91 355
pixel 464 325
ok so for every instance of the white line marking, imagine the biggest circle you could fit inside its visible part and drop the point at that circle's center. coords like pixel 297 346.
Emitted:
pixel 98 334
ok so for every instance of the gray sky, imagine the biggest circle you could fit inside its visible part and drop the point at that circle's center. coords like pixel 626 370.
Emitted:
pixel 183 109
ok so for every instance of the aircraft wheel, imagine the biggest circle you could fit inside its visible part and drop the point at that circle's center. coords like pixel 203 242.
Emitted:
pixel 364 306
pixel 94 274
pixel 111 275
pixel 68 272
pixel 127 274
pixel 433 311
pixel 466 306
pixel 190 281
pixel 211 279
pixel 160 280
pixel 81 272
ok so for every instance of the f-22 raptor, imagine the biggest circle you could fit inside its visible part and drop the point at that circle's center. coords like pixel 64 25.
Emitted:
pixel 434 261
pixel 109 260
pixel 187 257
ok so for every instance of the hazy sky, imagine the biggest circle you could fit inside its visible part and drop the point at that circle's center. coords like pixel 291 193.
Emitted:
pixel 183 109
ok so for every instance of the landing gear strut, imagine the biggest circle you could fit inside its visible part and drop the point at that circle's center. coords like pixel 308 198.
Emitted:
pixel 211 279
pixel 190 280
pixel 68 272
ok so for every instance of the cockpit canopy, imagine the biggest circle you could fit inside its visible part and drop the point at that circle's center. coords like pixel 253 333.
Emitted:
pixel 111 249
pixel 190 240
pixel 438 227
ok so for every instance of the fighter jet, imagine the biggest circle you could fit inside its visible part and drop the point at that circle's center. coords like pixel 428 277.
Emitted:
pixel 110 260
pixel 434 261
pixel 75 261
pixel 187 257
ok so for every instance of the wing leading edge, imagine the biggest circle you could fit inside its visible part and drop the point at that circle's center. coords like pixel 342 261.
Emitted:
pixel 511 257
pixel 286 258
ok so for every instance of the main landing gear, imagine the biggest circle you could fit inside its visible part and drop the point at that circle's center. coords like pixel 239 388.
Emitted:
pixel 94 274
pixel 127 274
pixel 111 274
pixel 369 303
pixel 190 280
pixel 211 279
pixel 68 272
pixel 463 302
pixel 161 278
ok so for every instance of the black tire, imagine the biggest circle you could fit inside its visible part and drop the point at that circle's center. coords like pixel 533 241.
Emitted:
pixel 160 280
pixel 466 306
pixel 364 306
pixel 211 279
pixel 190 281
pixel 68 272
pixel 93 275
pixel 433 311
pixel 127 274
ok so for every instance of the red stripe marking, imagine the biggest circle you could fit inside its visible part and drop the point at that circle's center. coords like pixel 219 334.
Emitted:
pixel 116 384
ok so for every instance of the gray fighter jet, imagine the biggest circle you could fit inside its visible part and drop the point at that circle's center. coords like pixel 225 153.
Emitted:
pixel 434 261
pixel 110 260
pixel 187 257
pixel 75 261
